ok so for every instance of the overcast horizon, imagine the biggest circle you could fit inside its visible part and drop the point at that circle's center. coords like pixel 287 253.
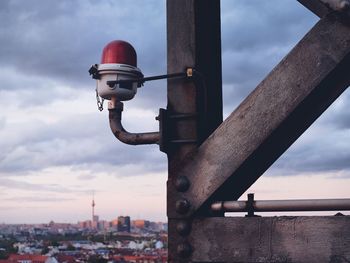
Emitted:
pixel 57 148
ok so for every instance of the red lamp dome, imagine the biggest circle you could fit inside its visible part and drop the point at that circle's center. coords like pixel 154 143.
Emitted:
pixel 119 52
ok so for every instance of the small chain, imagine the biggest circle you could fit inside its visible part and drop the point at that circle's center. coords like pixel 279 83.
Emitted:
pixel 99 102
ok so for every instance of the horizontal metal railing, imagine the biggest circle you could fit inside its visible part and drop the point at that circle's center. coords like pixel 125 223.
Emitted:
pixel 282 205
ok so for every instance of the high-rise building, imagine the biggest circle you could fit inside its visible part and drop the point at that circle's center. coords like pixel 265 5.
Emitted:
pixel 124 224
pixel 140 223
pixel 114 222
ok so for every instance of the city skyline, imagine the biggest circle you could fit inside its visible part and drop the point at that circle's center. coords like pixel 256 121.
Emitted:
pixel 57 148
pixel 95 217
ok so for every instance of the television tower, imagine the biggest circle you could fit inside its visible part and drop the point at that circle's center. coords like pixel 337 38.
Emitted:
pixel 93 207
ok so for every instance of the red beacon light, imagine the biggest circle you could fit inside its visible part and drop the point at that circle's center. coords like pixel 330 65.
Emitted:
pixel 119 52
pixel 118 63
pixel 117 79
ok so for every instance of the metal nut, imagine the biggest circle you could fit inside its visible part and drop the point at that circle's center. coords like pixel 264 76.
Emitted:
pixel 182 206
pixel 182 184
pixel 183 227
pixel 184 250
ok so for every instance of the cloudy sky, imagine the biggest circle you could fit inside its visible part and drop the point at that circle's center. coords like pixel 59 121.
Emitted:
pixel 57 148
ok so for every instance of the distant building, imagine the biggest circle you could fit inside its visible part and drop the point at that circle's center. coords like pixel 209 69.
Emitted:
pixel 114 222
pixel 95 221
pixel 85 224
pixel 28 258
pixel 103 224
pixel 124 224
pixel 140 223
pixel 62 258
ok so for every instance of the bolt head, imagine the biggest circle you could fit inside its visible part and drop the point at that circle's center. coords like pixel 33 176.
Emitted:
pixel 182 184
pixel 183 228
pixel 182 206
pixel 184 250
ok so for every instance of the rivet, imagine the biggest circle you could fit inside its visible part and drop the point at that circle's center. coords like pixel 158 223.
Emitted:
pixel 183 227
pixel 182 183
pixel 182 206
pixel 184 250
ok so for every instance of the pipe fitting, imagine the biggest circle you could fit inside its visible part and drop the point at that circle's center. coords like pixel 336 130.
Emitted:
pixel 115 116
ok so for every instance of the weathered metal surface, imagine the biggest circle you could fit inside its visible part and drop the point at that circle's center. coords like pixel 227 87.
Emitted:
pixel 337 5
pixel 208 66
pixel 323 7
pixel 115 116
pixel 194 107
pixel 182 97
pixel 193 41
pixel 271 239
pixel 284 205
pixel 270 119
pixel 182 93
pixel 316 6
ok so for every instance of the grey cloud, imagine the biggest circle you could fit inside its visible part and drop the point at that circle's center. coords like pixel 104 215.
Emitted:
pixel 256 35
pixel 60 39
pixel 339 113
pixel 255 24
pixel 244 70
pixel 318 150
pixel 84 177
pixel 48 188
pixel 31 90
pixel 38 199
pixel 15 184
pixel 2 122
pixel 3 208
pixel 80 141
pixel 323 147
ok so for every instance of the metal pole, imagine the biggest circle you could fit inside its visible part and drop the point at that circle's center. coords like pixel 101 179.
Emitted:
pixel 194 108
pixel 284 205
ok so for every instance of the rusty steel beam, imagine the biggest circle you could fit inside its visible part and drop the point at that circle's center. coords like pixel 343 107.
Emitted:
pixel 316 6
pixel 271 239
pixel 323 7
pixel 337 5
pixel 194 107
pixel 296 92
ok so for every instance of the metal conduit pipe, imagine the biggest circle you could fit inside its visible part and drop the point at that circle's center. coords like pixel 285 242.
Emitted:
pixel 115 109
pixel 283 205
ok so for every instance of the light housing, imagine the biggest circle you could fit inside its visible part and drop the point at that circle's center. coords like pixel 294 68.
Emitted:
pixel 118 62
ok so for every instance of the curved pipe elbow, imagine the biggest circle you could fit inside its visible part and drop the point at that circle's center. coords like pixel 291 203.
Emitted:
pixel 115 116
